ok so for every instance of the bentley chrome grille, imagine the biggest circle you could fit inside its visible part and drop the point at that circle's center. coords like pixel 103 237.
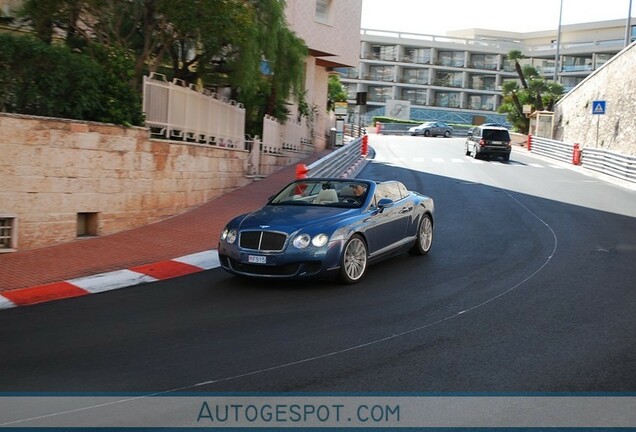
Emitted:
pixel 262 240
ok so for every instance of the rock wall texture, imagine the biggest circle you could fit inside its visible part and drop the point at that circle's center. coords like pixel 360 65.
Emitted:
pixel 56 176
pixel 615 83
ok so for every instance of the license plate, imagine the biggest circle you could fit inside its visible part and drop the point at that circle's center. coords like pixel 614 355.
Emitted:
pixel 257 259
pixel 496 142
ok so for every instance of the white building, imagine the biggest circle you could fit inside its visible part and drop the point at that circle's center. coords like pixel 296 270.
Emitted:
pixel 458 77
pixel 331 30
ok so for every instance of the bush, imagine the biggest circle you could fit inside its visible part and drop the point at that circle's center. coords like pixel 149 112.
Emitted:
pixel 52 81
pixel 383 119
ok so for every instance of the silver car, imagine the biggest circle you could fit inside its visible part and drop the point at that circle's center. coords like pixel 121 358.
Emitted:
pixel 432 129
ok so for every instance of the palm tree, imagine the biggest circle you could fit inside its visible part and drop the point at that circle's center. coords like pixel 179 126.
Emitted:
pixel 516 55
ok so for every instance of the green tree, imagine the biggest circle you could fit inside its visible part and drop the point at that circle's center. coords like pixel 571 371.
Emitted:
pixel 515 56
pixel 534 90
pixel 54 81
pixel 336 92
pixel 213 43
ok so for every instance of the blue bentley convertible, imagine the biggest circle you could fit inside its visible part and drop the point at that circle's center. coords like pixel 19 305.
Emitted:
pixel 318 227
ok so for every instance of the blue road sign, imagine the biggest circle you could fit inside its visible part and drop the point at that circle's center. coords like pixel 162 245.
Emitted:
pixel 598 107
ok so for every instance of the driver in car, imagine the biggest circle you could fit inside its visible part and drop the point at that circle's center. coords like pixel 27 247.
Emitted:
pixel 359 190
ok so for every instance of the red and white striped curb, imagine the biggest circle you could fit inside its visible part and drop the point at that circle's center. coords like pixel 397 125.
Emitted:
pixel 111 280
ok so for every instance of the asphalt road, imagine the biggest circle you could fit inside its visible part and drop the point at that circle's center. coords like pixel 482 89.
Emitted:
pixel 530 287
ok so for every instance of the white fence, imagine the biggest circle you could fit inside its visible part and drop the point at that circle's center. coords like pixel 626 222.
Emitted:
pixel 178 112
pixel 289 136
pixel 175 111
pixel 282 144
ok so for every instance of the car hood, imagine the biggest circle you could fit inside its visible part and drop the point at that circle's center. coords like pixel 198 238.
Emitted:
pixel 291 218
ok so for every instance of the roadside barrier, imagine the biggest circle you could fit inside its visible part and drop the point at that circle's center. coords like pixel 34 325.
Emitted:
pixel 344 162
pixel 603 161
pixel 610 163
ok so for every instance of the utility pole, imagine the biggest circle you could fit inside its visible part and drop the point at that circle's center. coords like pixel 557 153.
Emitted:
pixel 628 25
pixel 558 44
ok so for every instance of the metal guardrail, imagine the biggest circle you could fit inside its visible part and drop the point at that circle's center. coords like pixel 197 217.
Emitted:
pixel 553 149
pixel 610 163
pixel 394 128
pixel 337 163
pixel 603 161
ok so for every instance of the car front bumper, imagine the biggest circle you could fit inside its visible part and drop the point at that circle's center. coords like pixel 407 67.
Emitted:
pixel 291 263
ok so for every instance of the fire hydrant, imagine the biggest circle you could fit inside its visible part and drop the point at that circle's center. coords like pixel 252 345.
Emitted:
pixel 576 155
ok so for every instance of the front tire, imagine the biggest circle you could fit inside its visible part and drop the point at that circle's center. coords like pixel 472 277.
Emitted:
pixel 424 239
pixel 427 133
pixel 353 264
pixel 447 134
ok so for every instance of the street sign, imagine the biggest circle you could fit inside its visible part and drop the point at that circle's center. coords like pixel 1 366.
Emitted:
pixel 340 108
pixel 598 107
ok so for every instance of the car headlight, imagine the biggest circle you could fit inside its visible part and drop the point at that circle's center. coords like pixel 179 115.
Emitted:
pixel 229 235
pixel 320 240
pixel 303 240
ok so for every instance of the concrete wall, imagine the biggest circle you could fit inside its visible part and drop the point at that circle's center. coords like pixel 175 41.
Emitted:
pixel 614 83
pixel 335 41
pixel 52 169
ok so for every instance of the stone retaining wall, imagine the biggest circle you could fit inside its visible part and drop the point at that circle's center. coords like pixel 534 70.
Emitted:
pixel 615 83
pixel 51 170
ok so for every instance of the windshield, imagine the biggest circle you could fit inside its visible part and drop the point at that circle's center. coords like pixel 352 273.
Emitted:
pixel 496 135
pixel 333 193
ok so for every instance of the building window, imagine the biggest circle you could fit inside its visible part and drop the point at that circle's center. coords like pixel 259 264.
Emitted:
pixel 576 64
pixel 383 52
pixel 323 11
pixel 570 82
pixel 481 102
pixel 415 76
pixel 8 233
pixel 544 66
pixel 381 73
pixel 508 66
pixel 449 79
pixel 352 90
pixel 379 94
pixel 483 61
pixel 347 72
pixel 447 99
pixel 482 82
pixel 87 224
pixel 601 59
pixel 415 96
pixel 417 55
pixel 451 58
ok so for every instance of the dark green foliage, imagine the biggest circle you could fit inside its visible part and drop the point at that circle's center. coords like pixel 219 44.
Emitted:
pixel 336 92
pixel 212 43
pixel 532 89
pixel 52 81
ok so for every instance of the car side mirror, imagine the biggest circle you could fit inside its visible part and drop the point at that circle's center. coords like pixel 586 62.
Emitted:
pixel 385 203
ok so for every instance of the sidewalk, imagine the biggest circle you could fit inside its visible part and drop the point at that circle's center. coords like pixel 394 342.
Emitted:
pixel 194 231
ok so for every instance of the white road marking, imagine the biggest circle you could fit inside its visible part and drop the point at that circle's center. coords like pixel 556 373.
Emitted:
pixel 111 280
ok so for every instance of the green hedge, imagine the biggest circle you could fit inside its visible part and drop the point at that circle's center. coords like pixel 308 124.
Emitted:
pixel 53 81
pixel 383 119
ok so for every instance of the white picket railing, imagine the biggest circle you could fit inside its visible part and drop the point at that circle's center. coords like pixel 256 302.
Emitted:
pixel 175 111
